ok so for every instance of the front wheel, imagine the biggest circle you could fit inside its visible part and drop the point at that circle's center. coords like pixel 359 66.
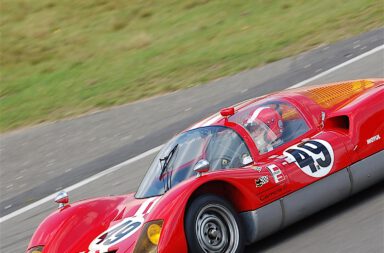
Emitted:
pixel 213 226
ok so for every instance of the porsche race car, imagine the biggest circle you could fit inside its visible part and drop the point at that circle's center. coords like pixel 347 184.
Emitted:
pixel 236 177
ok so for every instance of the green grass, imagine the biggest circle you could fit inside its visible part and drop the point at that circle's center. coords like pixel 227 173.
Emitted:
pixel 64 58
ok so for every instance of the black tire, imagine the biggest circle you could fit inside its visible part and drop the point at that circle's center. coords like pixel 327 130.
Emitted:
pixel 213 226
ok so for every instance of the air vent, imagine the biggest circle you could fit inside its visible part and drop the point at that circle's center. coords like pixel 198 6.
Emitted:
pixel 338 123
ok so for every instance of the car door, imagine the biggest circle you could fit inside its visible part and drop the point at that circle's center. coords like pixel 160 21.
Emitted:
pixel 290 131
pixel 307 169
pixel 318 175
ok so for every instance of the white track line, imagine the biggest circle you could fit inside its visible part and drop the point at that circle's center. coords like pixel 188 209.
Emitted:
pixel 359 57
pixel 154 150
pixel 81 183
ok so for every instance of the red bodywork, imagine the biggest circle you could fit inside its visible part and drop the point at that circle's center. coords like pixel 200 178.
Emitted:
pixel 349 124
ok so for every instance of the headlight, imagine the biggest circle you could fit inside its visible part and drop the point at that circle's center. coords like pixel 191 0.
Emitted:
pixel 37 249
pixel 149 237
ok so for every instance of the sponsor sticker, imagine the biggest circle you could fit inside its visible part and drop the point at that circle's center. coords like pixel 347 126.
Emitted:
pixel 314 157
pixel 261 181
pixel 277 175
pixel 373 139
pixel 272 193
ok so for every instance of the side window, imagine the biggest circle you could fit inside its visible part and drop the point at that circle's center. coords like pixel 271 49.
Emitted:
pixel 294 124
pixel 272 124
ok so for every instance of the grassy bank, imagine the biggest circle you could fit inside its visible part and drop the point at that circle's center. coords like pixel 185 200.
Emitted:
pixel 64 58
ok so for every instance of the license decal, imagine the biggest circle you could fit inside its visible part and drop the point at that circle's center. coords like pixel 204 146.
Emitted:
pixel 314 157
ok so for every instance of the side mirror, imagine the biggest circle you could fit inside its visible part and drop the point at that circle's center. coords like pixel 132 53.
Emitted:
pixel 62 199
pixel 226 112
pixel 201 166
pixel 246 159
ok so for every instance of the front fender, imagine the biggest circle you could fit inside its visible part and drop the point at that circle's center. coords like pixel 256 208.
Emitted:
pixel 173 205
pixel 71 228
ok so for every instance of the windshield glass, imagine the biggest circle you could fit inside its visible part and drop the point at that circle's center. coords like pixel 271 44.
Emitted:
pixel 222 147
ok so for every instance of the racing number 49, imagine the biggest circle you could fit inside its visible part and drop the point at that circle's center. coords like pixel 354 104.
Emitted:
pixel 313 157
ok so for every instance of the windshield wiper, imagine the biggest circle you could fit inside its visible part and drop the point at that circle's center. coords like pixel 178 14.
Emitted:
pixel 164 162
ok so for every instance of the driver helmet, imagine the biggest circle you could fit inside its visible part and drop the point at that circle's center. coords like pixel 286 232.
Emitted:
pixel 265 123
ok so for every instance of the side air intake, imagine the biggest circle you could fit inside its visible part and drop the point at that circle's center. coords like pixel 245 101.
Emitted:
pixel 338 123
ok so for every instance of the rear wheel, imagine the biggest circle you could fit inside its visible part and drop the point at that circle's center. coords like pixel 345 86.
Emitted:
pixel 213 226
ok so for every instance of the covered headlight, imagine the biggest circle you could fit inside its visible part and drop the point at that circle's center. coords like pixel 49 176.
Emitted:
pixel 149 237
pixel 37 249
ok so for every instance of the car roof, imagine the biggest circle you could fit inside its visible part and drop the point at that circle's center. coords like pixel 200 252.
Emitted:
pixel 325 96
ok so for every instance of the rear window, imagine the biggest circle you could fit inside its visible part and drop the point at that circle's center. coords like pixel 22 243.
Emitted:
pixel 331 95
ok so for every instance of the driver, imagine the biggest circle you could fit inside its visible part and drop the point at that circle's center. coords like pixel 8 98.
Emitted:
pixel 266 128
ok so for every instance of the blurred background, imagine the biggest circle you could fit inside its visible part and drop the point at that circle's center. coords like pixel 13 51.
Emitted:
pixel 64 58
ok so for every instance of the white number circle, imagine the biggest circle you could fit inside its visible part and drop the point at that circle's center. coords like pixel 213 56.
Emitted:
pixel 116 234
pixel 314 157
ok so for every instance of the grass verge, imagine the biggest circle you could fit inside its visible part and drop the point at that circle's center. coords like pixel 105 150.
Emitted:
pixel 64 58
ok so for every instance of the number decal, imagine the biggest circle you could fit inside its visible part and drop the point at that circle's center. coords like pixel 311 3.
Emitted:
pixel 111 237
pixel 314 157
pixel 117 233
pixel 302 158
pixel 123 229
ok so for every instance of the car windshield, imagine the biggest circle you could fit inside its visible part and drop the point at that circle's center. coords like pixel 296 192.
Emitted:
pixel 222 147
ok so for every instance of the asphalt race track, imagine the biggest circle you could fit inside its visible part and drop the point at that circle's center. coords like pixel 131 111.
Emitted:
pixel 39 161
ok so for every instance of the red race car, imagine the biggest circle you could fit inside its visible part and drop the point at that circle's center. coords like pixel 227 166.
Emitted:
pixel 236 177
